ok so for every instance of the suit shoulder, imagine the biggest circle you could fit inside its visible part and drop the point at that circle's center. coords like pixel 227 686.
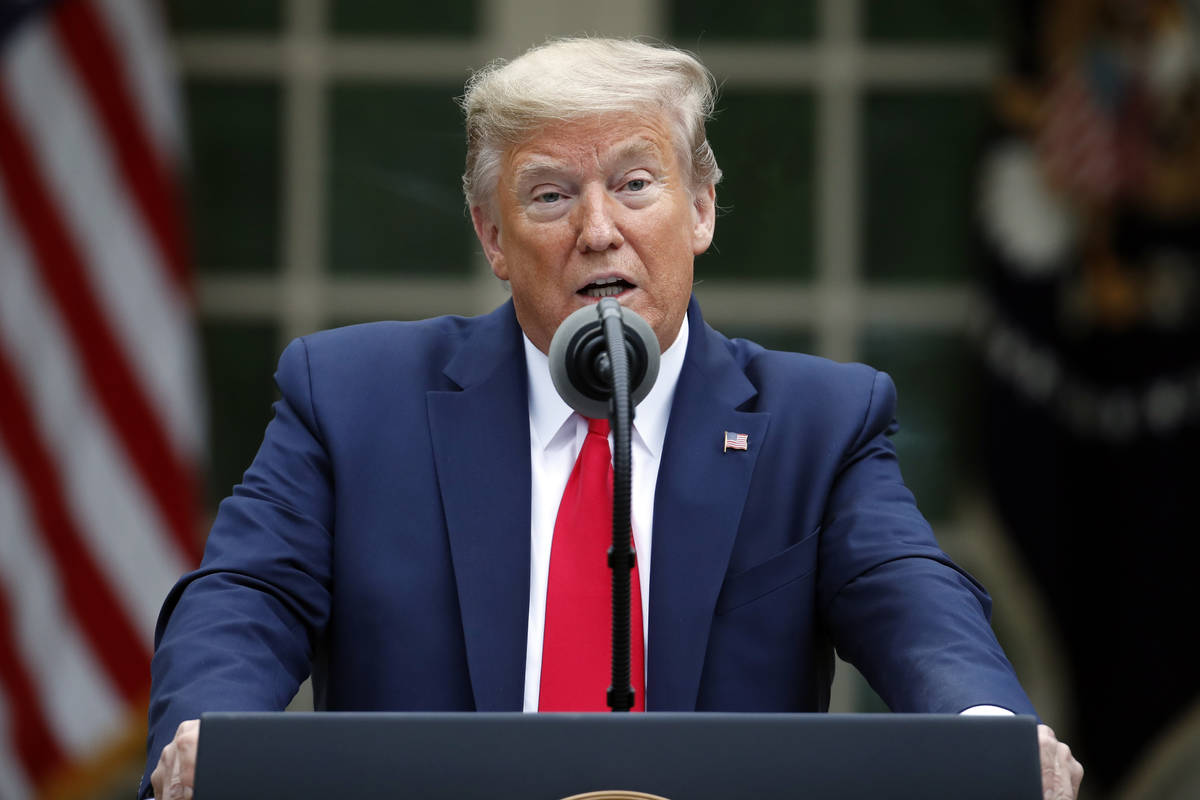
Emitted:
pixel 391 337
pixel 392 343
pixel 779 368
pixel 371 356
pixel 816 388
pixel 848 401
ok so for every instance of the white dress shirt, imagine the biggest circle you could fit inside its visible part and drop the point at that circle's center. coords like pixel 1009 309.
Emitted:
pixel 556 435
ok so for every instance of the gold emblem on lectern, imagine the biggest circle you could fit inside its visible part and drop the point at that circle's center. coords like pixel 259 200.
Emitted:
pixel 615 794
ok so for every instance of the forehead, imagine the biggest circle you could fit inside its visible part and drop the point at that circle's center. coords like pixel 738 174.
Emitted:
pixel 602 142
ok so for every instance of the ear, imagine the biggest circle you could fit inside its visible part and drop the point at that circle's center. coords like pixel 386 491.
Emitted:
pixel 704 218
pixel 488 233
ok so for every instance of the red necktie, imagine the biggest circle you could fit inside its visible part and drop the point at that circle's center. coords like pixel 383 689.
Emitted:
pixel 577 643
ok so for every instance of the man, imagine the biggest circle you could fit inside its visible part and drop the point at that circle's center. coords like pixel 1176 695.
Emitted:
pixel 394 532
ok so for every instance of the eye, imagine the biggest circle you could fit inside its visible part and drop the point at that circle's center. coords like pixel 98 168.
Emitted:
pixel 548 197
pixel 637 184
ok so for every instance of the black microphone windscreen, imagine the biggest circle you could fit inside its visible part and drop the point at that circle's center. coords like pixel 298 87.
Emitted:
pixel 574 355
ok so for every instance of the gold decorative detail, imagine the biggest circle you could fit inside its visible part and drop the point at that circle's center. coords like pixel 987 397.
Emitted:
pixel 615 794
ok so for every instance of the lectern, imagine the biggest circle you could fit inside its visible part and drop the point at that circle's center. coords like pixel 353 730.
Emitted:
pixel 698 756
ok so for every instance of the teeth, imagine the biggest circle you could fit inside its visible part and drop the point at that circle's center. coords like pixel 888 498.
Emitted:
pixel 605 281
pixel 603 291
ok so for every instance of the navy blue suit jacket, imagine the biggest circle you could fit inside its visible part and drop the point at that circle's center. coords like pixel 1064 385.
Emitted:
pixel 381 538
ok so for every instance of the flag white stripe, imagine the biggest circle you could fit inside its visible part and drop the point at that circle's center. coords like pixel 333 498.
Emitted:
pixel 77 702
pixel 140 300
pixel 145 310
pixel 136 29
pixel 108 502
pixel 13 782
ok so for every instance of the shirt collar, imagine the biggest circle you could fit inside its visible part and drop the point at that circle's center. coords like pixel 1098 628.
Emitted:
pixel 548 413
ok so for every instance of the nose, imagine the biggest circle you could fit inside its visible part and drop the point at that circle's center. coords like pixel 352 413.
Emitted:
pixel 598 230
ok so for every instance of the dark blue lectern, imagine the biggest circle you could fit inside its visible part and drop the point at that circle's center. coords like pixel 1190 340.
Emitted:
pixel 677 756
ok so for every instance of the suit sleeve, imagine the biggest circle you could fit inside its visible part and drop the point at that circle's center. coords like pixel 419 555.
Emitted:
pixel 898 608
pixel 238 632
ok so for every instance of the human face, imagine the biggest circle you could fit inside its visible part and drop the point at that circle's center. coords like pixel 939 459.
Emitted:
pixel 591 208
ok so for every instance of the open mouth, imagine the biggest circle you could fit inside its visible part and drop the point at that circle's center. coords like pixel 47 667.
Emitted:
pixel 606 287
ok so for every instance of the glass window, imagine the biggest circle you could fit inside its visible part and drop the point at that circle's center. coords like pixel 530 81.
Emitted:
pixel 233 16
pixel 920 150
pixel 239 361
pixel 942 21
pixel 764 143
pixel 694 21
pixel 234 181
pixel 934 380
pixel 404 17
pixel 395 177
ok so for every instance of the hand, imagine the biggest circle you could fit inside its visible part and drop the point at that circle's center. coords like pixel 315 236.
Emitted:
pixel 175 774
pixel 1061 773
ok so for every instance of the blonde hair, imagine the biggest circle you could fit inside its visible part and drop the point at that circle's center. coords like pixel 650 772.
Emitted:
pixel 566 79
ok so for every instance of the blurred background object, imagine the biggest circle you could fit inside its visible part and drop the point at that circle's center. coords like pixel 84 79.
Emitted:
pixel 990 200
pixel 1089 326
pixel 101 416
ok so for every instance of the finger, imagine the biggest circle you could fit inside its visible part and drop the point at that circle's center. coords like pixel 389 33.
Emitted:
pixel 1061 773
pixel 158 778
pixel 189 747
pixel 1076 775
pixel 1071 766
pixel 187 744
pixel 1047 758
pixel 185 774
pixel 175 785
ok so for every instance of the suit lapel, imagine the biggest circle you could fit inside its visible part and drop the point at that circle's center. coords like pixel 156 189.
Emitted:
pixel 698 503
pixel 481 448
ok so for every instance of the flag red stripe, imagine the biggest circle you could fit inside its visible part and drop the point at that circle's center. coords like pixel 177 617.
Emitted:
pixel 105 624
pixel 90 46
pixel 117 391
pixel 34 743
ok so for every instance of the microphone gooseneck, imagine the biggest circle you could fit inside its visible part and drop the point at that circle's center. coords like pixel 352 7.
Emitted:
pixel 603 361
pixel 620 554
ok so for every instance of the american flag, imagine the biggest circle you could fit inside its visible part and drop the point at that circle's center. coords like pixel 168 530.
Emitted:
pixel 1093 140
pixel 734 441
pixel 100 413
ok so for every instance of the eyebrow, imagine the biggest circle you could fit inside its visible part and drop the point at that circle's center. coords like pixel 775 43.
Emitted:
pixel 534 171
pixel 539 167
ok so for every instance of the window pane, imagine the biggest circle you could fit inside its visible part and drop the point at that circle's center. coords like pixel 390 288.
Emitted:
pixel 240 16
pixel 404 17
pixel 395 176
pixel 234 132
pixel 933 376
pixel 239 363
pixel 764 144
pixel 932 20
pixel 693 21
pixel 921 149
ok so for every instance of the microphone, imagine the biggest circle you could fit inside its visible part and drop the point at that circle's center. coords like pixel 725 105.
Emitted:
pixel 603 360
pixel 580 365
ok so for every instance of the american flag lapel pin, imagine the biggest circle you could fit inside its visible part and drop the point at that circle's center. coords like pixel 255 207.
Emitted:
pixel 734 441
